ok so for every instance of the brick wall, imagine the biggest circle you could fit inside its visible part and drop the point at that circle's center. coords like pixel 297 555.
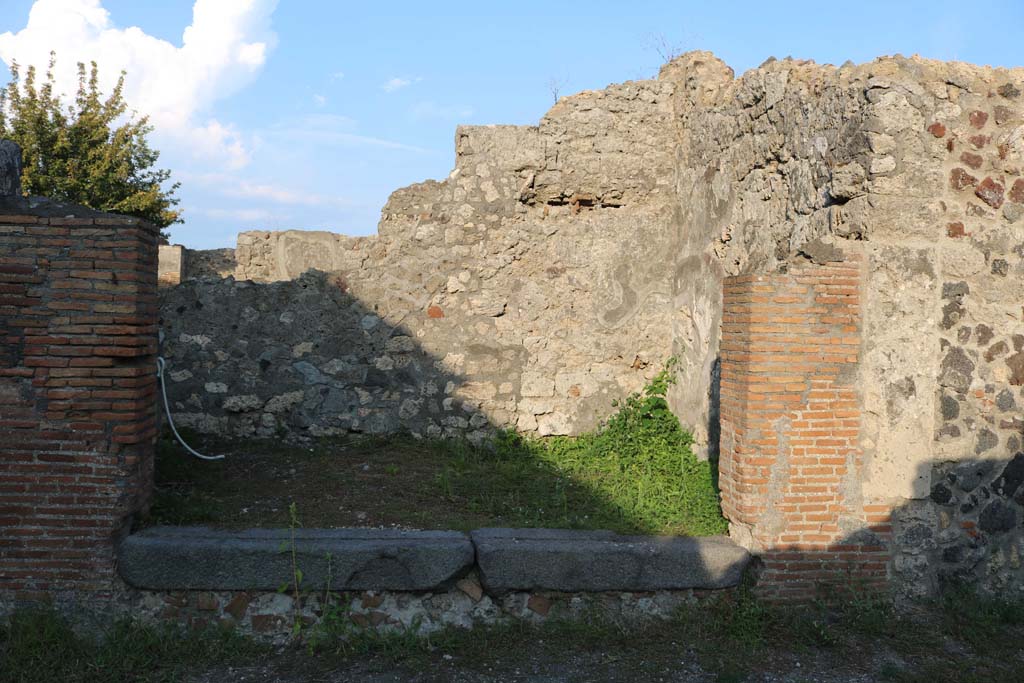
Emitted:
pixel 78 316
pixel 790 456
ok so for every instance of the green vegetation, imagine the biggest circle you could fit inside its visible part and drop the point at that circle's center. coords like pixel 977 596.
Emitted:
pixel 963 637
pixel 635 474
pixel 38 646
pixel 641 461
pixel 93 152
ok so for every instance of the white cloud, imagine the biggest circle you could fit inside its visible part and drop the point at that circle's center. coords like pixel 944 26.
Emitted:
pixel 337 75
pixel 319 100
pixel 330 129
pixel 222 51
pixel 281 195
pixel 228 185
pixel 396 84
pixel 249 215
pixel 432 110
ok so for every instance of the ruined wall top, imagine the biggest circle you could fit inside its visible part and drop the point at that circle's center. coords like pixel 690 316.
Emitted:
pixel 10 169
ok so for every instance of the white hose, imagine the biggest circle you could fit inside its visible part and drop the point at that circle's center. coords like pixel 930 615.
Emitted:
pixel 161 364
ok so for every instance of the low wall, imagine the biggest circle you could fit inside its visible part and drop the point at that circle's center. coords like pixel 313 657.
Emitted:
pixel 414 579
pixel 272 615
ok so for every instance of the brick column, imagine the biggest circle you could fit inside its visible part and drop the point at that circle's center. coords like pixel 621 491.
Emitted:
pixel 78 321
pixel 790 467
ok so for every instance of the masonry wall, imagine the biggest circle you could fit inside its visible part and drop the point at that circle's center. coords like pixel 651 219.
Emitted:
pixel 912 163
pixel 791 461
pixel 558 265
pixel 77 393
pixel 529 290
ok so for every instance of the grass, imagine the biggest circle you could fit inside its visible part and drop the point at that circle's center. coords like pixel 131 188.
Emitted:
pixel 960 638
pixel 38 646
pixel 635 474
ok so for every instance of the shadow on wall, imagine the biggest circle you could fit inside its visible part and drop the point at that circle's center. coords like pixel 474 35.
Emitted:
pixel 714 425
pixel 304 357
pixel 968 533
pixel 969 530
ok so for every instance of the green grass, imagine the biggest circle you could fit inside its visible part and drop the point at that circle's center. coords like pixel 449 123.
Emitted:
pixel 634 474
pixel 37 646
pixel 963 637
pixel 641 462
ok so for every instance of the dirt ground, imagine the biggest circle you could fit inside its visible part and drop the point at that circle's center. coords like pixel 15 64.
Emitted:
pixel 574 668
pixel 381 483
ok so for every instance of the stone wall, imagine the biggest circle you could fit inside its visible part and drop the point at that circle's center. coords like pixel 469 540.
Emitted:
pixel 421 580
pixel 927 196
pixel 970 528
pixel 528 290
pixel 270 616
pixel 78 310
pixel 559 265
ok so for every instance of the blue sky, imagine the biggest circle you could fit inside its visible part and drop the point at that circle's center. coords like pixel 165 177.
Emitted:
pixel 308 113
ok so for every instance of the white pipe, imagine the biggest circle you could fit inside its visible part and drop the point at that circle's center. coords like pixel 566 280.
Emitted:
pixel 161 364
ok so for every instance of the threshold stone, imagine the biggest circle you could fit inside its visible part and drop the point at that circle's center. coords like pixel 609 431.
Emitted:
pixel 201 558
pixel 571 561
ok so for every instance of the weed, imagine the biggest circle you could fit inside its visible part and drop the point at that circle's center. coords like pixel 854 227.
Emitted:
pixel 297 575
pixel 636 473
pixel 39 645
pixel 731 636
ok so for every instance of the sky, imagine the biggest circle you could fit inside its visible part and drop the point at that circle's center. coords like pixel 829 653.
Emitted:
pixel 307 114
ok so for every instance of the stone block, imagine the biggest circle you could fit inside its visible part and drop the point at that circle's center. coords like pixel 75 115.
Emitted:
pixel 10 169
pixel 569 561
pixel 200 558
pixel 171 266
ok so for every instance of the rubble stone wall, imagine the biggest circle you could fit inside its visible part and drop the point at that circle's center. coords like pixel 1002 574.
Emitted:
pixel 528 290
pixel 559 265
pixel 925 191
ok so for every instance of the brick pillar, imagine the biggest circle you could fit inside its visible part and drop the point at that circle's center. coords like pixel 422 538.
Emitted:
pixel 790 466
pixel 78 321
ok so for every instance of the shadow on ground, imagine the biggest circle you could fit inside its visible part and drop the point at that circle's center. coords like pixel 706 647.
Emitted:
pixel 330 407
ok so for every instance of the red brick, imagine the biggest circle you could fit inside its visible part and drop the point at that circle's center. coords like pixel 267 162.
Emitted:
pixel 960 179
pixel 971 159
pixel 795 383
pixel 1016 194
pixel 991 192
pixel 62 489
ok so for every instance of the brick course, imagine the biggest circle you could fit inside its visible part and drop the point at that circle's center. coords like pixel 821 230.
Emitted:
pixel 78 324
pixel 790 409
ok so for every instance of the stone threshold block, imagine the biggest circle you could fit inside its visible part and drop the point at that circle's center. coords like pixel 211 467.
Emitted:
pixel 200 558
pixel 571 561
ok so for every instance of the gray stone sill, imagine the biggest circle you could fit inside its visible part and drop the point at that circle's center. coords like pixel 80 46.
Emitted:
pixel 200 558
